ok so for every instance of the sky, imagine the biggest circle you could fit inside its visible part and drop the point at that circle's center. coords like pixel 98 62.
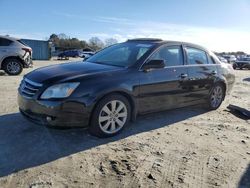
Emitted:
pixel 220 25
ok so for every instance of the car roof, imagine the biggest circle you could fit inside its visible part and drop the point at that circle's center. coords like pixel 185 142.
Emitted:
pixel 160 41
pixel 145 40
pixel 8 37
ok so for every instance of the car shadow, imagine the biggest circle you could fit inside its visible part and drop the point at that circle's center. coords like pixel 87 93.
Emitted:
pixel 239 112
pixel 24 144
pixel 246 79
pixel 2 73
pixel 245 179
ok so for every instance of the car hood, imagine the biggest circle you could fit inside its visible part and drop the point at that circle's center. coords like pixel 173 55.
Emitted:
pixel 54 73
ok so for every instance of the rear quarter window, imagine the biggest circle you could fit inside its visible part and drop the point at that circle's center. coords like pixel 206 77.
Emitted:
pixel 210 60
pixel 21 42
pixel 214 58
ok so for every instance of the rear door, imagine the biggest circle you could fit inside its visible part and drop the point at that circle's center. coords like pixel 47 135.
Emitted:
pixel 164 88
pixel 202 72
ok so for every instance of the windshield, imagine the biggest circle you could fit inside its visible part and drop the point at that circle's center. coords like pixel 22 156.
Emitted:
pixel 123 54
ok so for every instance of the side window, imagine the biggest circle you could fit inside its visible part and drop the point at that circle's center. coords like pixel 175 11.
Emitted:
pixel 196 56
pixel 172 55
pixel 214 59
pixel 5 42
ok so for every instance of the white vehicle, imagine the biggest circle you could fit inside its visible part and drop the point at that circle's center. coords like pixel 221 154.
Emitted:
pixel 222 59
pixel 14 55
pixel 230 58
pixel 87 54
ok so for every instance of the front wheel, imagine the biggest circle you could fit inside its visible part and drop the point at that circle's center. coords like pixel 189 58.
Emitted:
pixel 110 116
pixel 216 97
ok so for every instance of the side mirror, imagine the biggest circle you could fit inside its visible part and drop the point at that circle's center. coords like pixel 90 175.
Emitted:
pixel 153 64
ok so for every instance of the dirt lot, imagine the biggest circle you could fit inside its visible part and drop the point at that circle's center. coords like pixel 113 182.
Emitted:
pixel 188 147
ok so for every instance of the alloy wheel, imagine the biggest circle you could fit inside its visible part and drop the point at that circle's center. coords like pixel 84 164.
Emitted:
pixel 13 67
pixel 216 96
pixel 113 116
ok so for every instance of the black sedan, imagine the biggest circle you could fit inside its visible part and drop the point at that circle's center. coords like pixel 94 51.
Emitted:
pixel 120 82
pixel 243 63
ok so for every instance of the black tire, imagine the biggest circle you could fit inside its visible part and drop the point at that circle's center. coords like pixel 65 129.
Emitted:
pixel 95 127
pixel 211 104
pixel 9 64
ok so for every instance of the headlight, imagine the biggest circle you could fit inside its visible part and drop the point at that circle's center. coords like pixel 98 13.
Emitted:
pixel 60 90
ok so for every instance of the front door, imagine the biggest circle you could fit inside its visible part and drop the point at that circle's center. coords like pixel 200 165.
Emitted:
pixel 164 88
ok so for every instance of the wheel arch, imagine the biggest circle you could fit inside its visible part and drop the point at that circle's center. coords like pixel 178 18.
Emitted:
pixel 11 57
pixel 224 85
pixel 125 94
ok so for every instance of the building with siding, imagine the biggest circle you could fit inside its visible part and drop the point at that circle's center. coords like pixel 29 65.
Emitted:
pixel 40 48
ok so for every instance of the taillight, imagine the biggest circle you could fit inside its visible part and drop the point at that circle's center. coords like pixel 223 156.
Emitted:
pixel 27 50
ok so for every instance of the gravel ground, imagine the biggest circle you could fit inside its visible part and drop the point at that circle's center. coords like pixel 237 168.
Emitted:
pixel 188 147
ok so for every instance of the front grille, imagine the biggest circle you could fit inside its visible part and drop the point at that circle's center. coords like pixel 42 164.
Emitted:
pixel 29 88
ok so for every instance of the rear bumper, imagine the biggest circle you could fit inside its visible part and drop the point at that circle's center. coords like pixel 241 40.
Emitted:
pixel 54 113
pixel 27 60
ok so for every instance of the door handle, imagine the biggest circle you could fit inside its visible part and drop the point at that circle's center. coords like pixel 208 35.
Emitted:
pixel 182 76
pixel 213 72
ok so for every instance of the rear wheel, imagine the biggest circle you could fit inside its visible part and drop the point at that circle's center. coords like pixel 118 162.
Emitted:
pixel 216 96
pixel 110 116
pixel 234 66
pixel 13 66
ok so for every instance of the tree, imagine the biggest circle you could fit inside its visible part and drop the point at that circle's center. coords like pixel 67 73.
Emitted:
pixel 84 44
pixel 75 43
pixel 54 39
pixel 110 41
pixel 64 42
pixel 95 43
pixel 63 36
